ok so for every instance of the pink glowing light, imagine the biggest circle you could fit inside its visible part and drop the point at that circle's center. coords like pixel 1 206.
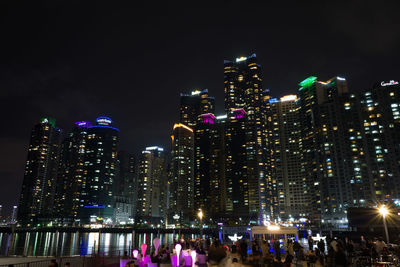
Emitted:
pixel 239 113
pixel 143 248
pixel 208 118
pixel 135 253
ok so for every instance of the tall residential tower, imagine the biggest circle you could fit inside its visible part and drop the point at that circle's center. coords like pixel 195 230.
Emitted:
pixel 39 185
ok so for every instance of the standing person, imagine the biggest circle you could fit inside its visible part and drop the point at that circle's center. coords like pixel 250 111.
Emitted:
pixel 289 253
pixel 321 246
pixel 379 245
pixel 340 258
pixel 334 244
pixel 310 243
pixel 243 250
pixel 277 249
pixel 53 263
pixel 363 243
pixel 296 248
pixel 216 253
pixel 290 249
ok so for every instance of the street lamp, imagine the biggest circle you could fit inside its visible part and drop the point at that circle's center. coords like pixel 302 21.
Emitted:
pixel 384 211
pixel 200 214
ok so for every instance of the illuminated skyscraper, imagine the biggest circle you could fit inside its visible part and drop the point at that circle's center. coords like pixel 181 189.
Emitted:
pixel 152 184
pixel 181 180
pixel 290 187
pixel 209 167
pixel 237 175
pixel 380 109
pixel 99 172
pixel 70 172
pixel 243 90
pixel 332 149
pixel 39 184
pixel 194 104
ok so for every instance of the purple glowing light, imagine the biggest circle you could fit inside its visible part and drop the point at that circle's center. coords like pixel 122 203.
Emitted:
pixel 106 121
pixel 83 123
pixel 239 113
pixel 208 118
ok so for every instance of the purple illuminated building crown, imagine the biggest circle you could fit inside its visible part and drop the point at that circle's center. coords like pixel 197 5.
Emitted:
pixel 239 113
pixel 208 118
pixel 105 121
pixel 83 124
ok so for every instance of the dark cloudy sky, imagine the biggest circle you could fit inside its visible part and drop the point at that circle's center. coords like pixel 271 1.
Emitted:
pixel 76 60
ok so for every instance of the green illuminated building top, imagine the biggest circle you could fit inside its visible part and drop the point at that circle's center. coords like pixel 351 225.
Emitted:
pixel 49 120
pixel 307 83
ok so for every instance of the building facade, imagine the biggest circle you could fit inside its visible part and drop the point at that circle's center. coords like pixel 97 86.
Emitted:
pixel 209 167
pixel 289 186
pixel 70 173
pixel 39 185
pixel 124 188
pixel 194 104
pixel 97 196
pixel 181 180
pixel 152 182
pixel 381 124
pixel 243 90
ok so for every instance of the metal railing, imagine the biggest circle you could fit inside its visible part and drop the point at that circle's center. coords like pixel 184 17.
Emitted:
pixel 95 260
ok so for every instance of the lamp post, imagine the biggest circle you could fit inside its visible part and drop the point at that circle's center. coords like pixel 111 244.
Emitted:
pixel 384 211
pixel 200 214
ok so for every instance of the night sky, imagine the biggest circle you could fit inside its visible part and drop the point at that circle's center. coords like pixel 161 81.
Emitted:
pixel 76 61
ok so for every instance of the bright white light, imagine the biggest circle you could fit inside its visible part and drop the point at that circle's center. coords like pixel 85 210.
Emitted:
pixel 289 98
pixel 193 254
pixel 340 78
pixel 273 227
pixel 155 148
pixel 220 117
pixel 240 59
pixel 391 82
pixel 383 211
pixel 235 237
pixel 200 214
pixel 196 92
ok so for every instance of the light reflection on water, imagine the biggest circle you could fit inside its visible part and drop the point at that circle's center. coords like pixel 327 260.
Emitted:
pixel 66 244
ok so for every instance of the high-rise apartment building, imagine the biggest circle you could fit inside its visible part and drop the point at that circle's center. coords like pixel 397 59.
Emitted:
pixel 151 186
pixel 97 194
pixel 243 90
pixel 70 173
pixel 194 104
pixel 124 188
pixel 39 185
pixel 209 167
pixel 332 149
pixel 237 176
pixel 181 180
pixel 380 113
pixel 289 186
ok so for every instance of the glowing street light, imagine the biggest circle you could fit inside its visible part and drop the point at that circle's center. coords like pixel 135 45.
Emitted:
pixel 200 214
pixel 384 212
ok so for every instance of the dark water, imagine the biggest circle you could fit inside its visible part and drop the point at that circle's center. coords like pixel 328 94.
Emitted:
pixel 67 244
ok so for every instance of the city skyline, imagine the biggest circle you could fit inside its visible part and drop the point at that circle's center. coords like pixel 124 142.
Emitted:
pixel 76 89
pixel 334 125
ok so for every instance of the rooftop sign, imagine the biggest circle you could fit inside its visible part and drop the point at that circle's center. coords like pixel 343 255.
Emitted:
pixel 391 82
